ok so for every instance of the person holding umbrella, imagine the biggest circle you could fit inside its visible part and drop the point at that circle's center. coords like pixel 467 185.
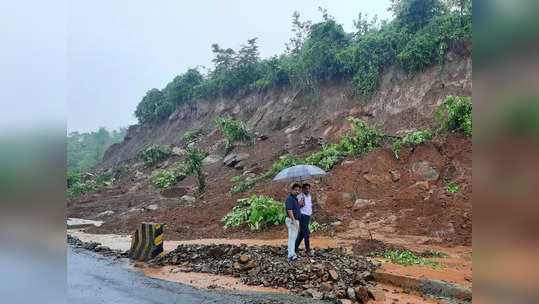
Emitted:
pixel 297 173
pixel 306 210
pixel 292 214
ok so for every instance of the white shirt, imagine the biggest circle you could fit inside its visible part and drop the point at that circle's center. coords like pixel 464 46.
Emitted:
pixel 308 208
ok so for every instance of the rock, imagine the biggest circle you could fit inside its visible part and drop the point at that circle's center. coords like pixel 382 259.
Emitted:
pixel 334 275
pixel 426 171
pixel 250 176
pixel 255 271
pixel 244 259
pixel 211 159
pixel 237 266
pixel 90 245
pixel 395 175
pixel 351 293
pixel 377 179
pixel 152 207
pixel 239 165
pixel 362 203
pixel 348 162
pixel 135 210
pixel 340 294
pixel 139 174
pixel 317 295
pixel 101 248
pixel 346 301
pixel 347 196
pixel 234 250
pixel 178 151
pixel 325 277
pixel 362 294
pixel 232 159
pixel 215 251
pixel 335 224
pixel 188 198
pixel 302 277
pixel 326 286
pixel 377 293
pixel 105 213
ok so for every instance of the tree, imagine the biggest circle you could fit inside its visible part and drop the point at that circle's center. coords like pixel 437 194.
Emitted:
pixel 181 88
pixel 414 14
pixel 154 107
pixel 194 167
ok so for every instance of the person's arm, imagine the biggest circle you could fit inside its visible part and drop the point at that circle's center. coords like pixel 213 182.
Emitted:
pixel 289 206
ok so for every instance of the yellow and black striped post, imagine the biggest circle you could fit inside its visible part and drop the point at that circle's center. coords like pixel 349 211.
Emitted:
pixel 147 242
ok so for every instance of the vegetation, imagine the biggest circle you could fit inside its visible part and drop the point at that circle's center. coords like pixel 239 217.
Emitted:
pixel 407 258
pixel 257 212
pixel 163 178
pixel 233 130
pixel 75 186
pixel 194 167
pixel 419 35
pixel 235 178
pixel 154 154
pixel 452 187
pixel 364 140
pixel 456 115
pixel 315 226
pixel 411 140
pixel 84 150
pixel 191 135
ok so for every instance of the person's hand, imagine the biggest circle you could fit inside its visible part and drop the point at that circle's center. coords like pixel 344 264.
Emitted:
pixel 297 225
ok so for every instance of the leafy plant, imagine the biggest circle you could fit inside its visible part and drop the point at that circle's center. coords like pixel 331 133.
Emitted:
pixel 154 154
pixel 411 140
pixel 235 178
pixel 456 115
pixel 163 178
pixel 191 135
pixel 77 187
pixel 315 226
pixel 194 167
pixel 452 187
pixel 233 130
pixel 407 258
pixel 257 212
pixel 433 254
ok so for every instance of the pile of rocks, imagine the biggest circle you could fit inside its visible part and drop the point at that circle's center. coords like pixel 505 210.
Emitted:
pixel 330 273
pixel 96 247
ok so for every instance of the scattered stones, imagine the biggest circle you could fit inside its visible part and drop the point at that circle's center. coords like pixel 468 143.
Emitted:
pixel 351 293
pixel 377 293
pixel 96 247
pixel 233 159
pixel 152 207
pixel 326 286
pixel 244 259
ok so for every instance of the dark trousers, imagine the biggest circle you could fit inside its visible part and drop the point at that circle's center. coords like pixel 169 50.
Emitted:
pixel 303 232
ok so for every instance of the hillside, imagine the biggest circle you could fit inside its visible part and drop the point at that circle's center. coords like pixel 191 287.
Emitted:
pixel 404 206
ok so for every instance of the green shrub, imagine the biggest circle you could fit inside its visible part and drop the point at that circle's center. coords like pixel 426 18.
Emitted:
pixel 257 212
pixel 315 226
pixel 78 188
pixel 244 185
pixel 72 178
pixel 163 178
pixel 191 135
pixel 154 154
pixel 411 140
pixel 233 130
pixel 235 179
pixel 194 167
pixel 456 115
pixel 407 258
pixel 452 187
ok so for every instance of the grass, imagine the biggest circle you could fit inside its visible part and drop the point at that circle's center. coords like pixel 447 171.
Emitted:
pixel 407 258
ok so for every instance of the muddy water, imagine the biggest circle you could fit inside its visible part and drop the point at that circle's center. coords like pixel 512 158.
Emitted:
pixel 202 280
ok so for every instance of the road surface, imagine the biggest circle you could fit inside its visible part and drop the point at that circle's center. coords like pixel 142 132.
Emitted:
pixel 92 278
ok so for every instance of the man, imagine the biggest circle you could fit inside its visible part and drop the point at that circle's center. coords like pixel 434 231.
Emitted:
pixel 292 214
pixel 306 211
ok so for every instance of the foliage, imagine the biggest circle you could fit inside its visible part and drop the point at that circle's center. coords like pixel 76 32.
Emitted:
pixel 315 226
pixel 163 178
pixel 77 187
pixel 420 33
pixel 365 139
pixel 84 150
pixel 194 167
pixel 456 115
pixel 433 254
pixel 257 212
pixel 73 178
pixel 191 135
pixel 411 140
pixel 452 187
pixel 235 178
pixel 233 130
pixel 154 154
pixel 407 258
pixel 245 185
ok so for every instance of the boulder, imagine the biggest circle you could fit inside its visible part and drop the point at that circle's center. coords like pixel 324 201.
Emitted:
pixel 362 295
pixel 351 293
pixel 377 293
pixel 244 259
pixel 395 175
pixel 362 203
pixel 188 198
pixel 334 275
pixel 426 171
pixel 211 159
pixel 232 159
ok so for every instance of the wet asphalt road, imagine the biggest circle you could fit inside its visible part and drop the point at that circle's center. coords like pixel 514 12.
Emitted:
pixel 92 278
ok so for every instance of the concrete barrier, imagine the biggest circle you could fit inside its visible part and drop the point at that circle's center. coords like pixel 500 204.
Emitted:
pixel 146 242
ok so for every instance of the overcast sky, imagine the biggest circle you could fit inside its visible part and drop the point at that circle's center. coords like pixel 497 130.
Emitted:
pixel 118 50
